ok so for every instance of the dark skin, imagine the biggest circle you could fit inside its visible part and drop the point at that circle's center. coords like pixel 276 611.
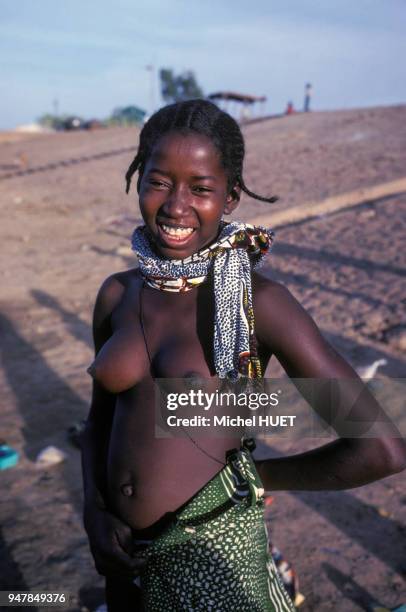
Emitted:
pixel 131 478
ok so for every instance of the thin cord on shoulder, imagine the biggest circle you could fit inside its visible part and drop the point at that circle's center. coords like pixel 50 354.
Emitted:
pixel 141 318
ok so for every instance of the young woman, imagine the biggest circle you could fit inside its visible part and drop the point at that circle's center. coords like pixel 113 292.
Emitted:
pixel 177 524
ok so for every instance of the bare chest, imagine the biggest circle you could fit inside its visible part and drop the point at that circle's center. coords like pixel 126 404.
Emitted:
pixel 173 332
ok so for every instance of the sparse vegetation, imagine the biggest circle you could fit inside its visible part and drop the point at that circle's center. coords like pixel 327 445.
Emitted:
pixel 175 88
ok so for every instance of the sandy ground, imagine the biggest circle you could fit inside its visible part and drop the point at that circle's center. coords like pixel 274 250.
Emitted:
pixel 65 227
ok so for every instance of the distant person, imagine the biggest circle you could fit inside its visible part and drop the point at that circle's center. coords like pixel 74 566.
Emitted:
pixel 289 109
pixel 307 98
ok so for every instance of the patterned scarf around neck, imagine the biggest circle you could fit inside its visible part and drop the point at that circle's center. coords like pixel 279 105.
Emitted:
pixel 239 248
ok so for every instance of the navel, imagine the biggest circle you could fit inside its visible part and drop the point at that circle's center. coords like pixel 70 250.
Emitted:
pixel 127 489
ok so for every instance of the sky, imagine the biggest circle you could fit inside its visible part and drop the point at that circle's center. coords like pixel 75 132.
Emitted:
pixel 88 58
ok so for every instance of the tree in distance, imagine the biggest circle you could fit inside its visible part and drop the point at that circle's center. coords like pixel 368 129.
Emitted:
pixel 176 88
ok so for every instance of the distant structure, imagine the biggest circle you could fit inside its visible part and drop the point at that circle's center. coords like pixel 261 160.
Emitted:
pixel 308 96
pixel 128 115
pixel 227 98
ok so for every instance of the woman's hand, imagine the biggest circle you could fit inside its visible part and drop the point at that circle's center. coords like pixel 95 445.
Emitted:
pixel 111 543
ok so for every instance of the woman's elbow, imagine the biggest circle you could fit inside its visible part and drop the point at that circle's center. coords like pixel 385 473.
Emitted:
pixel 378 457
pixel 392 455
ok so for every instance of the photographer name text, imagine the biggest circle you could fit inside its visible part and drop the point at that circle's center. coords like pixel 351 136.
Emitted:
pixel 236 421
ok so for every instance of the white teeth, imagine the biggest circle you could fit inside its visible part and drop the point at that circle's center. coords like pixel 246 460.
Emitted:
pixel 179 232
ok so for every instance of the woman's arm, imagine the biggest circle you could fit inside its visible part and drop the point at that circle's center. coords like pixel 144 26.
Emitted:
pixel 110 539
pixel 94 445
pixel 342 464
pixel 286 329
pixel 95 438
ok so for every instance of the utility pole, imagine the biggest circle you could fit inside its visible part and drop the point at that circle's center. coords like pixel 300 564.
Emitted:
pixel 151 69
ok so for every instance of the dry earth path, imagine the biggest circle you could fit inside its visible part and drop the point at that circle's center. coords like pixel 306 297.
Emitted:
pixel 65 228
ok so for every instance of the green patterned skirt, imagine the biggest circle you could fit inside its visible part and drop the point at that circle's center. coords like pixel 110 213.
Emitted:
pixel 214 556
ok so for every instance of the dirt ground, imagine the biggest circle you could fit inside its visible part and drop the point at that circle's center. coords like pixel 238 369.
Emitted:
pixel 66 223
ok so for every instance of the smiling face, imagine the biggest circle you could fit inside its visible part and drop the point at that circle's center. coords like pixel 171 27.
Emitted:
pixel 183 194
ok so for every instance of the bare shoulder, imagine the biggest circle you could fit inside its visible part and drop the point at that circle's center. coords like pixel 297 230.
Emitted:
pixel 289 332
pixel 274 303
pixel 111 293
pixel 266 288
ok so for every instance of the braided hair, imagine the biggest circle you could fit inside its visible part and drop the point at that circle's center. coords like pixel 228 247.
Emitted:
pixel 202 117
